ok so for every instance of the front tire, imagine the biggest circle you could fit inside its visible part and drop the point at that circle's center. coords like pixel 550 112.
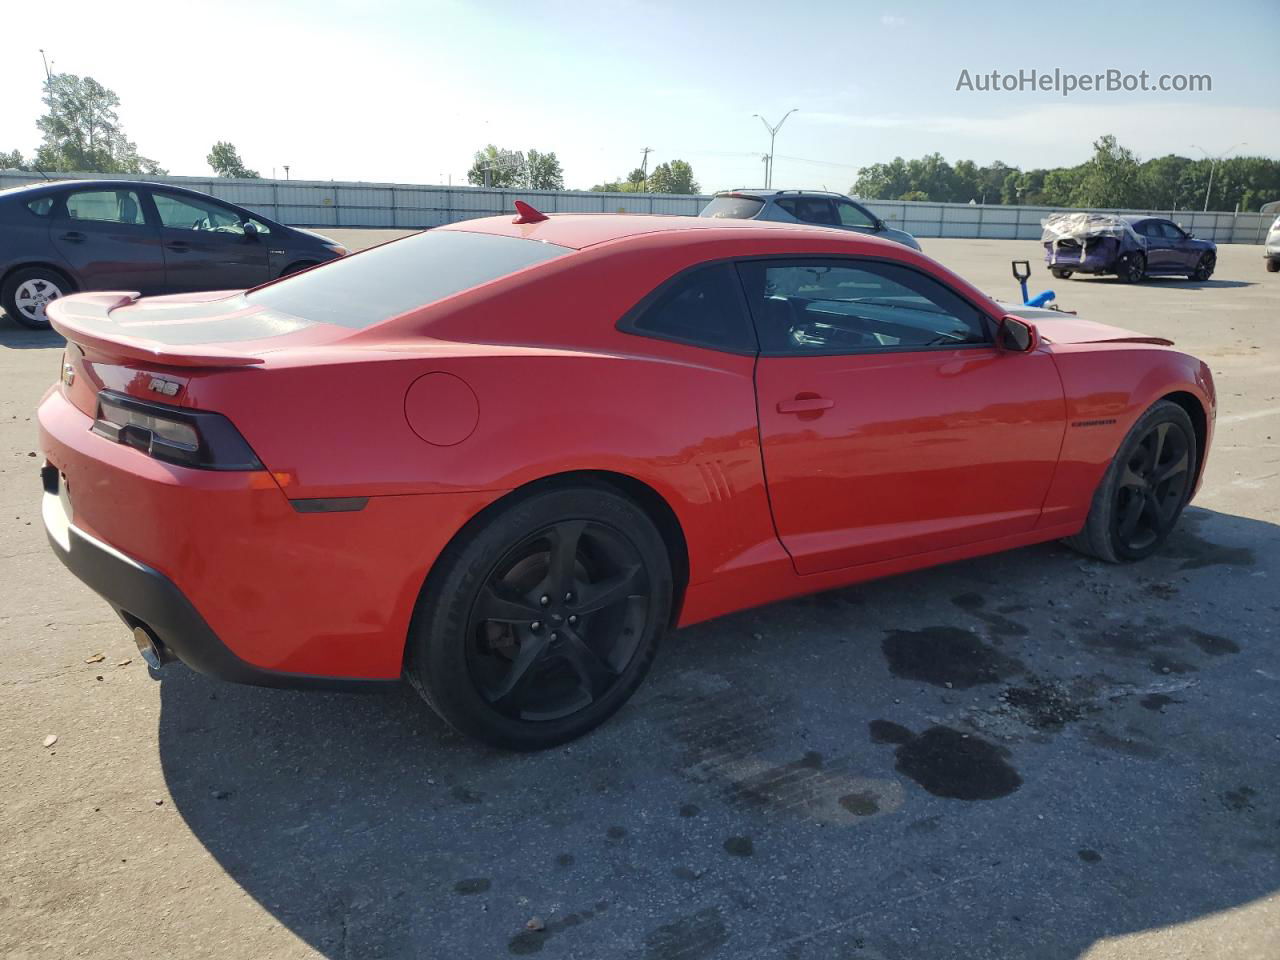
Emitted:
pixel 1273 265
pixel 537 624
pixel 1144 490
pixel 27 292
pixel 1061 273
pixel 1204 269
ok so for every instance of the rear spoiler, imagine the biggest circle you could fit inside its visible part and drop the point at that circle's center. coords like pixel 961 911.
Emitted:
pixel 85 318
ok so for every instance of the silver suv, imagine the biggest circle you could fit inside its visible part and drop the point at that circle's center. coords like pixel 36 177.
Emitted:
pixel 817 207
pixel 1272 249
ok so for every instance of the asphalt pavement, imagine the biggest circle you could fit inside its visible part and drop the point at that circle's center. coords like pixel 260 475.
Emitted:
pixel 1026 755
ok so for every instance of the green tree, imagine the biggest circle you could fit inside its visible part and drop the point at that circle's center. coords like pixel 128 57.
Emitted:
pixel 82 130
pixel 226 162
pixel 542 171
pixel 1110 179
pixel 1058 187
pixel 673 177
pixel 12 161
pixel 882 181
pixel 504 169
pixel 914 195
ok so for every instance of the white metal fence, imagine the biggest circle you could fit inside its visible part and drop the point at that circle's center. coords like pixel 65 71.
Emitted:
pixel 328 203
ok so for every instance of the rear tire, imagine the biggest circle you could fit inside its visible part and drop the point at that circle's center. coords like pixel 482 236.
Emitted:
pixel 1132 268
pixel 1061 273
pixel 26 292
pixel 540 622
pixel 1273 266
pixel 1144 490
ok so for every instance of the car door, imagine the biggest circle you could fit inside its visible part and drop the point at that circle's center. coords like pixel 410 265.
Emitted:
pixel 1161 257
pixel 103 235
pixel 854 217
pixel 890 424
pixel 1183 255
pixel 206 245
pixel 816 210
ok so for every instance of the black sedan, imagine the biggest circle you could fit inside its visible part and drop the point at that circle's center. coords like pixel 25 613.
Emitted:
pixel 65 236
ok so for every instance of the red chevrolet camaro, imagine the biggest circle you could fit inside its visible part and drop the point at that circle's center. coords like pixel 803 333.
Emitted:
pixel 502 457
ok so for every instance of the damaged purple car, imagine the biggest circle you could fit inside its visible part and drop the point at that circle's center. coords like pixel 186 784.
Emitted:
pixel 1132 247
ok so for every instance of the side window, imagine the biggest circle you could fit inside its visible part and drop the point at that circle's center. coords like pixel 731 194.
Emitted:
pixel 843 306
pixel 703 307
pixel 1149 228
pixel 809 209
pixel 40 206
pixel 853 216
pixel 188 213
pixel 116 206
pixel 1170 231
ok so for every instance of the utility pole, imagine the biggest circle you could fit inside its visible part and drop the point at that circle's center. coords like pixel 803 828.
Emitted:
pixel 48 74
pixel 773 133
pixel 644 166
pixel 1213 165
pixel 286 171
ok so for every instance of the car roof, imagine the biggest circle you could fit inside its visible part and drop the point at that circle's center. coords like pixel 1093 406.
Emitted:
pixel 105 184
pixel 1132 218
pixel 579 230
pixel 770 192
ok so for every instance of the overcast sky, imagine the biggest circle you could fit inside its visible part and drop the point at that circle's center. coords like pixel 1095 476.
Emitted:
pixel 406 92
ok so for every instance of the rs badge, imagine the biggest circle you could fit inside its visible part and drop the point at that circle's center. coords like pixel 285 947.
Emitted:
pixel 167 387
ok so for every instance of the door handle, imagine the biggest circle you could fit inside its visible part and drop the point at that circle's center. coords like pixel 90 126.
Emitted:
pixel 73 236
pixel 178 246
pixel 805 405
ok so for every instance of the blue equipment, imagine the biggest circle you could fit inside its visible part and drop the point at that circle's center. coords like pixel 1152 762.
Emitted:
pixel 1040 299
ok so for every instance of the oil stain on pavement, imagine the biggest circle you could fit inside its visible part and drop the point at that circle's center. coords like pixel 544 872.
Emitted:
pixel 948 763
pixel 946 657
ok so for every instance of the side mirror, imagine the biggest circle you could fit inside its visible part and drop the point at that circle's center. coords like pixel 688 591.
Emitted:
pixel 250 229
pixel 879 225
pixel 1016 335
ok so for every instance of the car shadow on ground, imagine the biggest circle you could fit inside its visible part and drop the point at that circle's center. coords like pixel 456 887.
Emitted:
pixel 14 337
pixel 1012 756
pixel 1180 282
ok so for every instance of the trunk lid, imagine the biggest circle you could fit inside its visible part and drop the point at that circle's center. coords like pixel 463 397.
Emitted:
pixel 154 349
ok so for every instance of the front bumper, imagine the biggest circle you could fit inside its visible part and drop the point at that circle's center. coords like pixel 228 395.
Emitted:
pixel 142 596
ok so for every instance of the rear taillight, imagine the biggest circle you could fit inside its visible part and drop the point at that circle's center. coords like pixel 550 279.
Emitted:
pixel 192 438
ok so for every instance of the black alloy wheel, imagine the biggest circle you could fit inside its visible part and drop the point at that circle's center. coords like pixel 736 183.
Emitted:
pixel 543 616
pixel 1143 492
pixel 557 621
pixel 1204 269
pixel 1132 267
pixel 1152 488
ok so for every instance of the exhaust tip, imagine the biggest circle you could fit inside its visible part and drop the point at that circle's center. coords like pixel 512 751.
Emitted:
pixel 149 647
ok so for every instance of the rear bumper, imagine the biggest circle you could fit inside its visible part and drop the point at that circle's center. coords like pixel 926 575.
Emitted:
pixel 143 596
pixel 229 573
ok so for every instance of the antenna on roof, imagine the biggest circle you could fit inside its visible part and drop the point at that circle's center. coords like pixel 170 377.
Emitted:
pixel 527 213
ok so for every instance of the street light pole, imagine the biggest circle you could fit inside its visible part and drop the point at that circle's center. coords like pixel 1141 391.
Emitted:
pixel 773 133
pixel 1213 165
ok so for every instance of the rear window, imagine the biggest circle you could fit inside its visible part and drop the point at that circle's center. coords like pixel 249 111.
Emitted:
pixel 364 289
pixel 732 208
pixel 40 206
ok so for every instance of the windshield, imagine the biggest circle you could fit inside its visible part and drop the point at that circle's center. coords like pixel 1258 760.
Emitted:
pixel 364 289
pixel 732 208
